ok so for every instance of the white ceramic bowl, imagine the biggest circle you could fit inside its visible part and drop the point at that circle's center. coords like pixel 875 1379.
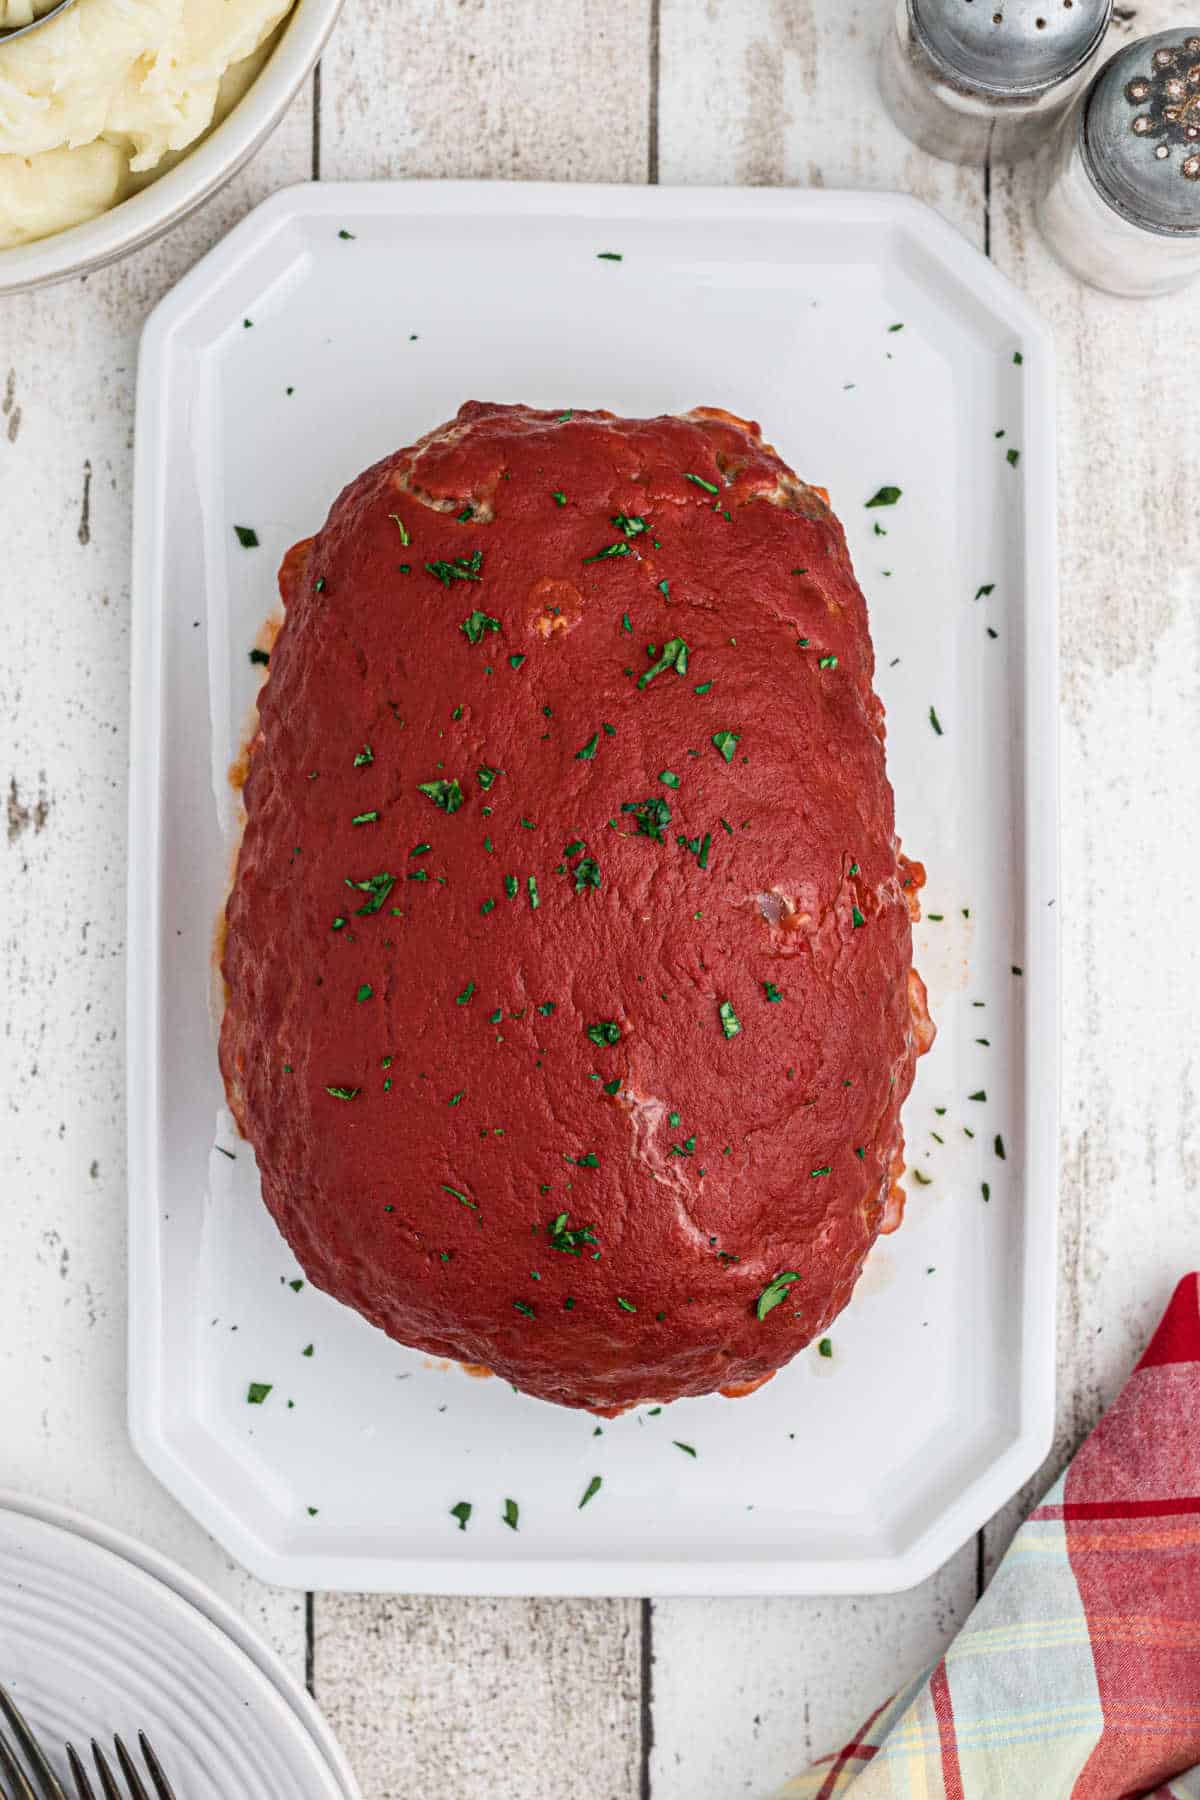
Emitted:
pixel 146 215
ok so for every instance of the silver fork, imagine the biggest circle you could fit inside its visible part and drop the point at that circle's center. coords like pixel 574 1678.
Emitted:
pixel 15 1783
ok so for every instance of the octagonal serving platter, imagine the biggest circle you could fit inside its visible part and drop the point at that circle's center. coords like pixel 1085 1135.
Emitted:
pixel 878 349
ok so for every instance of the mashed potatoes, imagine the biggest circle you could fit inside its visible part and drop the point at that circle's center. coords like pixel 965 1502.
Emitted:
pixel 91 105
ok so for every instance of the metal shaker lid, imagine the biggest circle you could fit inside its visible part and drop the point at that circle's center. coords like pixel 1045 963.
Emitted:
pixel 1011 47
pixel 1140 132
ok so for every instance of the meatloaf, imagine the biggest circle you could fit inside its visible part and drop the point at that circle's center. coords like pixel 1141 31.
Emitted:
pixel 569 1001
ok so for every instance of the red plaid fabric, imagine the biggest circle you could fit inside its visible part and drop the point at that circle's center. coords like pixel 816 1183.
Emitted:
pixel 1077 1676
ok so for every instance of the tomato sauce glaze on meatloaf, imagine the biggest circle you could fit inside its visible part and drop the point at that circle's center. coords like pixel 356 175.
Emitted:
pixel 569 1001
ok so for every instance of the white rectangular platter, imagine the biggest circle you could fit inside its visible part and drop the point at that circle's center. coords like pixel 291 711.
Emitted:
pixel 877 348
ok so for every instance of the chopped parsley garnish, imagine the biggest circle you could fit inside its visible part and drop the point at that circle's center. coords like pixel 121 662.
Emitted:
pixel 461 1198
pixel 511 885
pixel 260 656
pixel 981 1095
pixel 726 742
pixel 587 875
pixel 523 1306
pixel 989 587
pixel 364 992
pixel 699 481
pixel 445 794
pixel 459 568
pixel 730 1023
pixel 486 776
pixel 1014 457
pixel 591 1490
pixel 462 1512
pixel 546 1008
pixel 535 899
pixel 674 656
pixel 378 888
pixel 257 1392
pixel 246 536
pixel 626 1305
pixel 652 816
pixel 366 755
pixel 511 1514
pixel 631 526
pixel 687 1449
pixel 704 688
pixel 825 1347
pixel 816 1174
pixel 697 847
pixel 1018 358
pixel 476 624
pixel 827 662
pixel 401 528
pixel 885 496
pixel 776 1292
pixel 899 327
pixel 558 498
pixel 609 256
pixel 367 818
pixel 461 999
pixel 856 918
pixel 668 778
pixel 618 549
pixel 606 1031
pixel 935 721
pixel 588 751
pixel 344 1093
pixel 570 1240
pixel 999 1147
pixel 771 991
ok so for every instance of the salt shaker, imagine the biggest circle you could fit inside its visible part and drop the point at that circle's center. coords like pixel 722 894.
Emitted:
pixel 1120 205
pixel 971 80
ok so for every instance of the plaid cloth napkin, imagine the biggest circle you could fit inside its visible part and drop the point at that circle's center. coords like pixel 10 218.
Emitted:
pixel 1077 1676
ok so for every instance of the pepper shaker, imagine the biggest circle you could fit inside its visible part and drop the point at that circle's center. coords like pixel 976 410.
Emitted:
pixel 1120 206
pixel 970 80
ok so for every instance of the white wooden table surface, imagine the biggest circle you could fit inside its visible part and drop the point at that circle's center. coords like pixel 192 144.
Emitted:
pixel 467 1699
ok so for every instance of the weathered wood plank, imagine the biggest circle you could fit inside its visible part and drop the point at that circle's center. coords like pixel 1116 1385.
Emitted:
pixel 67 363
pixel 1129 471
pixel 467 1698
pixel 749 1692
pixel 470 1699
pixel 488 88
pixel 782 93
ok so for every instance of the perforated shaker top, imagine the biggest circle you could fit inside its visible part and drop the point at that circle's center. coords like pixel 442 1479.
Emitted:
pixel 1012 46
pixel 1141 131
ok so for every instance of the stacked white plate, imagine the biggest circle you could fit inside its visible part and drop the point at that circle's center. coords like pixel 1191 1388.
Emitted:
pixel 98 1635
